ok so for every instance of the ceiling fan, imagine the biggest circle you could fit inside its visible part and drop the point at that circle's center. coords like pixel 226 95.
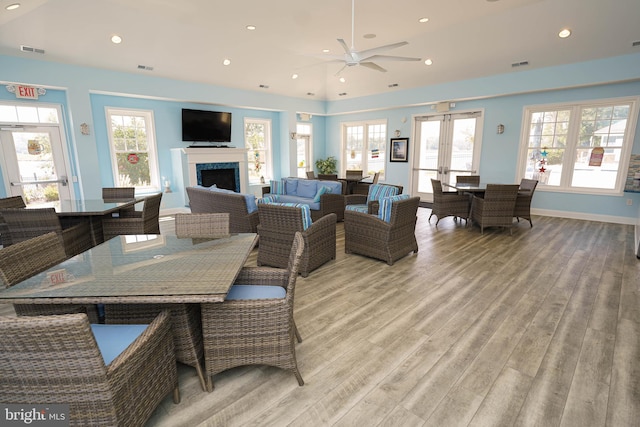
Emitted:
pixel 365 58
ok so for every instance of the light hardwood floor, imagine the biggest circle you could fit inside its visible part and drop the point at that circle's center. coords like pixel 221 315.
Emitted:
pixel 537 328
pixel 541 327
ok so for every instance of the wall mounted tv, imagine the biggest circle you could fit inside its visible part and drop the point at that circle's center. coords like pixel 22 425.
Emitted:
pixel 206 126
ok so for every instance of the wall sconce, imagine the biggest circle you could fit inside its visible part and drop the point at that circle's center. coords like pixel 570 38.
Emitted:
pixel 294 135
pixel 397 133
pixel 500 129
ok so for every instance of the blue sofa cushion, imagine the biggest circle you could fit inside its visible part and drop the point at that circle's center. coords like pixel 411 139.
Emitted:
pixel 114 339
pixel 287 198
pixel 248 292
pixel 290 185
pixel 307 188
pixel 384 211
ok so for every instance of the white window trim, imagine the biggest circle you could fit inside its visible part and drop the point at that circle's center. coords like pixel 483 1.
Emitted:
pixel 268 163
pixel 625 155
pixel 151 145
pixel 311 161
pixel 364 123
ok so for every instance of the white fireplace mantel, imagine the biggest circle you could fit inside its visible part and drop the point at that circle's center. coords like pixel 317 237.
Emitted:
pixel 217 155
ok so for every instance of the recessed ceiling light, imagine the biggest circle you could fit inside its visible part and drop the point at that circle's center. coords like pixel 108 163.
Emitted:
pixel 116 39
pixel 342 80
pixel 423 20
pixel 226 61
pixel 13 6
pixel 369 36
pixel 325 51
pixel 251 27
pixel 294 76
pixel 428 61
pixel 563 34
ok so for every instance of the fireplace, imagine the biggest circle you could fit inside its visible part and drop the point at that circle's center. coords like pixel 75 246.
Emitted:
pixel 223 175
pixel 209 165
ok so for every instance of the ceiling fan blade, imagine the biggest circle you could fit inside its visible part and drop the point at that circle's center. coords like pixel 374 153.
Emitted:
pixel 345 47
pixel 392 58
pixel 373 66
pixel 340 71
pixel 366 54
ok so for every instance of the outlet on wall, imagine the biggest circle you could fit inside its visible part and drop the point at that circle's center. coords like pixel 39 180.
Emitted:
pixel 629 202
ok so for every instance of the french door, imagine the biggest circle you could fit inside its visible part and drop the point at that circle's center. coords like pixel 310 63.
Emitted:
pixel 447 145
pixel 35 165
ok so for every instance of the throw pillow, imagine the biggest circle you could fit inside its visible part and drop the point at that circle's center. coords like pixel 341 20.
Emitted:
pixel 290 185
pixel 269 199
pixel 378 191
pixel 322 190
pixel 384 211
pixel 307 188
pixel 277 187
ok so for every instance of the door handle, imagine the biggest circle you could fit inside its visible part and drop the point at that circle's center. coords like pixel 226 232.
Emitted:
pixel 63 180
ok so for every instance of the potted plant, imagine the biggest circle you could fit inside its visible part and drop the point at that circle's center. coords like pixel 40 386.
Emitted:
pixel 327 166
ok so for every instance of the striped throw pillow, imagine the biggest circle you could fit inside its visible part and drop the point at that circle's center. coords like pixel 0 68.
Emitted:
pixel 384 211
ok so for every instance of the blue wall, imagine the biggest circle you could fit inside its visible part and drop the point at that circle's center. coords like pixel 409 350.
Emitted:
pixel 84 92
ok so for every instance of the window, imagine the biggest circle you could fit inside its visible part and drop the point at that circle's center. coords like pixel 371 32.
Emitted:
pixel 365 147
pixel 583 147
pixel 133 151
pixel 22 113
pixel 303 149
pixel 257 139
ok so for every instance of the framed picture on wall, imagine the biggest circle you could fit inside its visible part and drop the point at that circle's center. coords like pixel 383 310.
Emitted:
pixel 399 150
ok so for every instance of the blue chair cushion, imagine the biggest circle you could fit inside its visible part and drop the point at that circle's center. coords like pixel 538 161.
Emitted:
pixel 378 191
pixel 358 208
pixel 251 203
pixel 269 199
pixel 290 185
pixel 384 211
pixel 304 211
pixel 114 339
pixel 248 292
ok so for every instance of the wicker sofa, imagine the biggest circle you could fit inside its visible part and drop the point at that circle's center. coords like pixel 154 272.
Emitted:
pixel 243 215
pixel 299 190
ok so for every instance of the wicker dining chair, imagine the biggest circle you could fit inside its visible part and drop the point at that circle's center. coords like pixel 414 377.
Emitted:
pixel 255 325
pixel 24 224
pixel 523 201
pixel 135 222
pixel 202 225
pixel 311 175
pixel 278 226
pixel 328 176
pixel 119 194
pixel 362 187
pixel 109 375
pixel 368 235
pixel 13 202
pixel 468 179
pixel 448 203
pixel 25 259
pixel 495 207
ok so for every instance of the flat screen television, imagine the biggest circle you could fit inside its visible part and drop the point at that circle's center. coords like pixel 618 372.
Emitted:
pixel 206 126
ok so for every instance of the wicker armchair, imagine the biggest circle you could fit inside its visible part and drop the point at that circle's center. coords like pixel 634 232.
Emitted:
pixel 495 208
pixel 523 201
pixel 135 222
pixel 14 202
pixel 186 328
pixel 368 235
pixel 201 200
pixel 252 331
pixel 278 226
pixel 202 225
pixel 448 203
pixel 24 224
pixel 369 203
pixel 27 258
pixel 65 365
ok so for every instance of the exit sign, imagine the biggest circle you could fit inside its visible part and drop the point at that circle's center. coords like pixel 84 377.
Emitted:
pixel 27 92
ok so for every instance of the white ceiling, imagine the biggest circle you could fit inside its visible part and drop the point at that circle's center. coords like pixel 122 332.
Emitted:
pixel 188 39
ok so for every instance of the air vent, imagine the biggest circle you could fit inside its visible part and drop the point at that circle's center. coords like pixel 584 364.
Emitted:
pixel 636 44
pixel 264 86
pixel 145 67
pixel 393 85
pixel 342 94
pixel 520 64
pixel 31 49
pixel 311 94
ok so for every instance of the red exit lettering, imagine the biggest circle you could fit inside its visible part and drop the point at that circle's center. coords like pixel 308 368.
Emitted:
pixel 26 92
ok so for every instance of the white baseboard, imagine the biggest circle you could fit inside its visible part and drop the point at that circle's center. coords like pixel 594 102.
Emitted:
pixel 584 216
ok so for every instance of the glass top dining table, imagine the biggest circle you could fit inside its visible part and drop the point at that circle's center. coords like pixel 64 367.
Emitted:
pixel 140 269
pixel 469 188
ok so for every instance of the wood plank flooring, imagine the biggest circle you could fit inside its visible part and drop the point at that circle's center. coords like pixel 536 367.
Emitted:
pixel 538 328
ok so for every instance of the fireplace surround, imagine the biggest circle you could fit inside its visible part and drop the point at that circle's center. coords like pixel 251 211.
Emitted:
pixel 212 160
